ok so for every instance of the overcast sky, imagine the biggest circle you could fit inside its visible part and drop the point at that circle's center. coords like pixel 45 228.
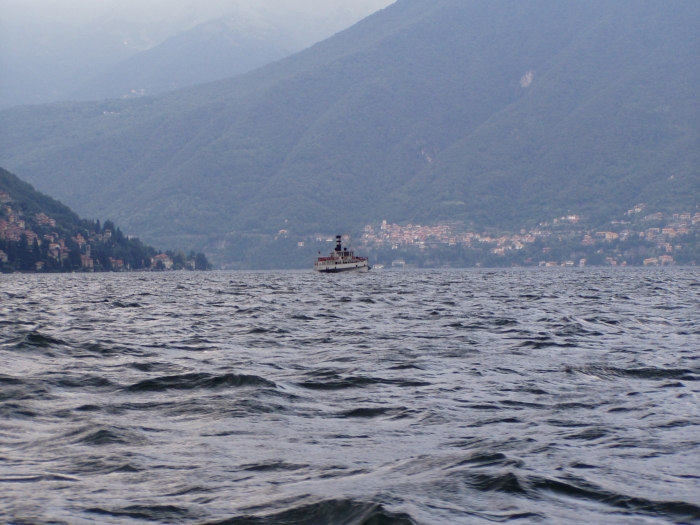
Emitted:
pixel 28 26
pixel 48 46
pixel 80 12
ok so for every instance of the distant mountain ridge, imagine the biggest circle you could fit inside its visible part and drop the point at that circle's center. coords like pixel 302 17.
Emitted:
pixel 491 113
pixel 86 50
pixel 213 50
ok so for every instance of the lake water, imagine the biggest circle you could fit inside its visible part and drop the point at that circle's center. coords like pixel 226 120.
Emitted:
pixel 560 396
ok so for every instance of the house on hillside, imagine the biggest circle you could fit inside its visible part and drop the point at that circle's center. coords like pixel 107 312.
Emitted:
pixel 166 262
pixel 80 240
pixel 608 236
pixel 117 264
pixel 43 220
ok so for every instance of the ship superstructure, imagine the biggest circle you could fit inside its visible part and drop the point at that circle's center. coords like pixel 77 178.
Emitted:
pixel 341 260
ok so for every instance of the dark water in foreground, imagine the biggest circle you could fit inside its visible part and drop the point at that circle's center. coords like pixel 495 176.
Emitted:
pixel 562 396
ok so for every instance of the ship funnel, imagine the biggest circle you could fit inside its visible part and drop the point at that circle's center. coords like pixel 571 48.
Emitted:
pixel 338 243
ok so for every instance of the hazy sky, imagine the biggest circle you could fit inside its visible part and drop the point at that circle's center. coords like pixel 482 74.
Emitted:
pixel 48 46
pixel 78 12
pixel 37 26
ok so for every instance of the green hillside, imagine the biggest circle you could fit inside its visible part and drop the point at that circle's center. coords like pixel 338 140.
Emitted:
pixel 32 202
pixel 39 234
pixel 497 113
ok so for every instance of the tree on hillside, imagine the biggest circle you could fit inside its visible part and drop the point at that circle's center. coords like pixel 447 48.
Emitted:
pixel 201 262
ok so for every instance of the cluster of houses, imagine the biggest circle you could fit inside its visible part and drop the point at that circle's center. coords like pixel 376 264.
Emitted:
pixel 397 236
pixel 664 232
pixel 13 227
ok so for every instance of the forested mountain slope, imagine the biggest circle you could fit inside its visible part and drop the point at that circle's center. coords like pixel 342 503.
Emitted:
pixel 493 112
pixel 39 234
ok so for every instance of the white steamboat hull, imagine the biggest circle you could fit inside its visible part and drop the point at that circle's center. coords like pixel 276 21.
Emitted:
pixel 342 267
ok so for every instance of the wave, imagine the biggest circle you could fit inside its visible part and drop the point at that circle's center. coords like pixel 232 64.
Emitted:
pixel 105 435
pixel 506 482
pixel 38 340
pixel 37 479
pixel 83 382
pixel 638 373
pixel 199 381
pixel 358 382
pixel 372 412
pixel 161 513
pixel 330 380
pixel 484 459
pixel 119 304
pixel 15 389
pixel 330 512
pixel 274 466
pixel 9 380
pixel 537 488
pixel 676 510
pixel 261 330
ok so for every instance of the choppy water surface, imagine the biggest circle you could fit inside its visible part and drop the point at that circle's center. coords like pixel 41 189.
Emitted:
pixel 429 397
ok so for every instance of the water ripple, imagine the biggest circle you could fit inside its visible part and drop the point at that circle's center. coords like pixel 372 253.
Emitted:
pixel 413 397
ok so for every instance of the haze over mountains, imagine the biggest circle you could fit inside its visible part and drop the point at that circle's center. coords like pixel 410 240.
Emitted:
pixel 82 50
pixel 493 112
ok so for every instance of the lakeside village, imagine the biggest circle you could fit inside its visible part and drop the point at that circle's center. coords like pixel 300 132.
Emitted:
pixel 641 238
pixel 38 243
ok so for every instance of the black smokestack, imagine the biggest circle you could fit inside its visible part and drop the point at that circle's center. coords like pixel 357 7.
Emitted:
pixel 338 243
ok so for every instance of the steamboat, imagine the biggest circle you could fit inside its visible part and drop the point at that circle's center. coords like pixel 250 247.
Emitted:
pixel 341 260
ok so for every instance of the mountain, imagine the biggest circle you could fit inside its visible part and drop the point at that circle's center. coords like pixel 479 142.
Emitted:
pixel 29 201
pixel 497 113
pixel 213 50
pixel 38 233
pixel 86 50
